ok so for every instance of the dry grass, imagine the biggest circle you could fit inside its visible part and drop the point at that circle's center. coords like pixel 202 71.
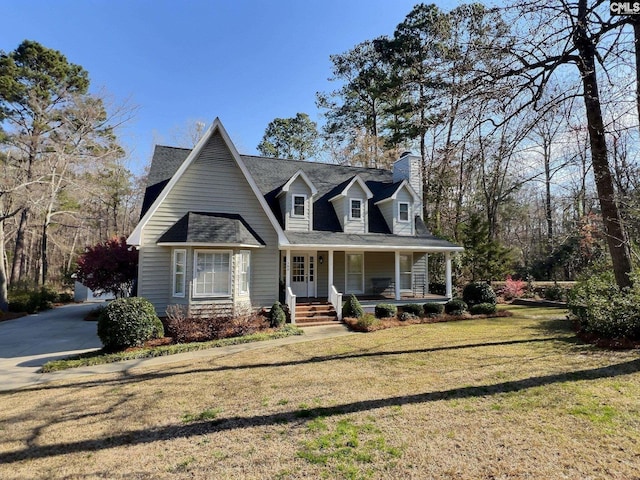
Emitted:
pixel 497 398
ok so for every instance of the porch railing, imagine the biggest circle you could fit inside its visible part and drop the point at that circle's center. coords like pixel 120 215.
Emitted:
pixel 290 298
pixel 335 298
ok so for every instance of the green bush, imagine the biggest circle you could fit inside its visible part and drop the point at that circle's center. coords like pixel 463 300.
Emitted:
pixel 65 297
pixel 404 316
pixel 385 310
pixel 32 301
pixel 554 293
pixel 366 322
pixel 455 307
pixel 478 292
pixel 414 309
pixel 483 309
pixel 128 322
pixel 433 309
pixel 352 308
pixel 277 317
pixel 602 309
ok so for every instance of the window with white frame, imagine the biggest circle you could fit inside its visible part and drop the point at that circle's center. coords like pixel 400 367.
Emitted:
pixel 355 212
pixel 298 205
pixel 179 272
pixel 211 273
pixel 403 212
pixel 245 267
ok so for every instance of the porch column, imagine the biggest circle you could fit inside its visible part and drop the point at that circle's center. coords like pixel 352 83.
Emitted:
pixel 447 274
pixel 330 275
pixel 287 270
pixel 397 275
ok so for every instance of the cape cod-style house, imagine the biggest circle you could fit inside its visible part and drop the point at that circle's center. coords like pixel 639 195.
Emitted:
pixel 236 231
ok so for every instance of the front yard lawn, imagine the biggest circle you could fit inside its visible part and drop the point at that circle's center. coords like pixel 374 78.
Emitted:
pixel 495 398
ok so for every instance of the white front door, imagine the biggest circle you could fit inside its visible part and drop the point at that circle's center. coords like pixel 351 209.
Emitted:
pixel 303 274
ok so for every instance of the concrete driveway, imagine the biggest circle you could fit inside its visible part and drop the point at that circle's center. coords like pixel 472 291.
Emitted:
pixel 29 342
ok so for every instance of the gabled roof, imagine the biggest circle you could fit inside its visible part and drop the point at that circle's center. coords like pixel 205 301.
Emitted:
pixel 391 192
pixel 205 228
pixel 305 178
pixel 268 176
pixel 216 127
pixel 344 192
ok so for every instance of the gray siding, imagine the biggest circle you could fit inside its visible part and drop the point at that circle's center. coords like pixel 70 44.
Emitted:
pixel 322 276
pixel 378 265
pixel 356 226
pixel 299 224
pixel 342 206
pixel 213 183
pixel 338 206
pixel 338 271
pixel 390 213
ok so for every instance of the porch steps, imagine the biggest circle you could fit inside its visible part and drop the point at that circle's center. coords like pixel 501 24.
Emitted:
pixel 310 314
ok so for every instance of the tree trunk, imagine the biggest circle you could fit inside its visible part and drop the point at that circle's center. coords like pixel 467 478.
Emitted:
pixel 4 301
pixel 614 229
pixel 17 266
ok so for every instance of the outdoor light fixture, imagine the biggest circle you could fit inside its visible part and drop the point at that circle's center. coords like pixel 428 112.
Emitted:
pixel 321 259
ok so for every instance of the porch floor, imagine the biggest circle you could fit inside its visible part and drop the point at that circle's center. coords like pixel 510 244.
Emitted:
pixel 370 301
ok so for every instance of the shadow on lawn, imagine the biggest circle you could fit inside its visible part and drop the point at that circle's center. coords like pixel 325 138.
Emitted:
pixel 129 377
pixel 232 423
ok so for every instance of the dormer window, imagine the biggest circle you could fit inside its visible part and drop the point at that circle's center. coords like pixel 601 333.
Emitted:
pixel 298 205
pixel 355 212
pixel 403 212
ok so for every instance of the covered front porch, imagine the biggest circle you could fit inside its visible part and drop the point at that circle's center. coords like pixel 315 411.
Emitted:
pixel 396 276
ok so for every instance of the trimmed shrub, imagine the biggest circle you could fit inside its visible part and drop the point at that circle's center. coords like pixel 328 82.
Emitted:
pixel 602 309
pixel 352 308
pixel 385 310
pixel 65 297
pixel 128 322
pixel 455 307
pixel 277 317
pixel 414 309
pixel 554 293
pixel 366 322
pixel 433 309
pixel 404 316
pixel 483 309
pixel 32 301
pixel 478 292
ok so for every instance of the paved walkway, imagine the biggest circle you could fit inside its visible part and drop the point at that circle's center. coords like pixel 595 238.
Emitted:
pixel 29 342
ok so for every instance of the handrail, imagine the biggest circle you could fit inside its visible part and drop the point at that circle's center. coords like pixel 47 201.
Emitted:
pixel 335 298
pixel 290 298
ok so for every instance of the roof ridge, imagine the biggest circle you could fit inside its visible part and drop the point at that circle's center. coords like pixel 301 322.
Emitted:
pixel 291 160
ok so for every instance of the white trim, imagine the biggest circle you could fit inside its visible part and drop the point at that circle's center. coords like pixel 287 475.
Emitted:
pixel 400 220
pixel 195 273
pixel 240 273
pixel 136 236
pixel 184 273
pixel 207 245
pixel 410 255
pixel 351 217
pixel 371 247
pixel 293 205
pixel 307 180
pixel 345 190
pixel 346 272
pixel 409 188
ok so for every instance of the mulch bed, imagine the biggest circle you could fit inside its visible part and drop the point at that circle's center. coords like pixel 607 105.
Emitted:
pixel 11 315
pixel 392 322
pixel 608 343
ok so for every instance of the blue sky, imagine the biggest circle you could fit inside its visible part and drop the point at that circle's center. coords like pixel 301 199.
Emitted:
pixel 245 61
